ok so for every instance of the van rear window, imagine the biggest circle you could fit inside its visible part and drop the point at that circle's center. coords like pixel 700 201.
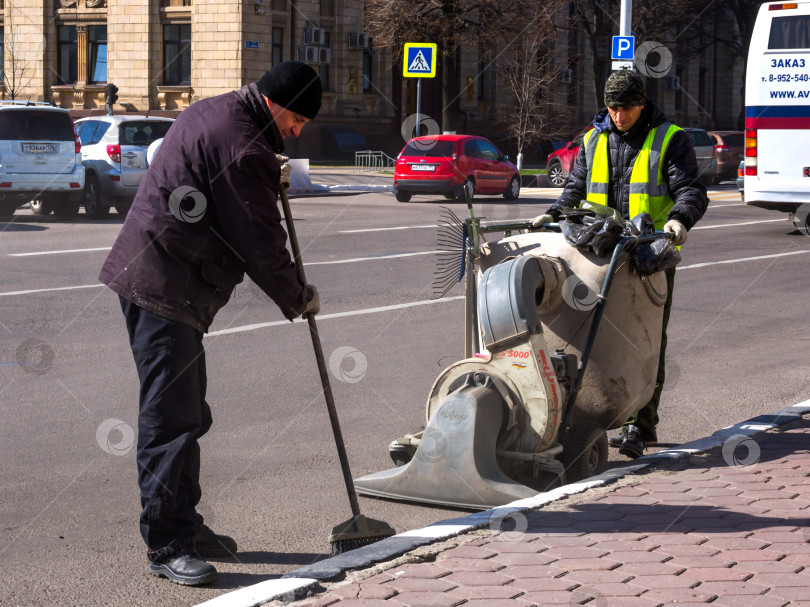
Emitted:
pixel 699 138
pixel 33 125
pixel 137 132
pixel 429 149
pixel 790 32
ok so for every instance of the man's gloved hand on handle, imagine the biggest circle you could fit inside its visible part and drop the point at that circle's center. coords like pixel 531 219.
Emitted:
pixel 541 219
pixel 314 303
pixel 677 229
pixel 286 169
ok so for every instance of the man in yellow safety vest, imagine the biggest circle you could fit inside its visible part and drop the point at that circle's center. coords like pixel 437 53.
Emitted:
pixel 635 161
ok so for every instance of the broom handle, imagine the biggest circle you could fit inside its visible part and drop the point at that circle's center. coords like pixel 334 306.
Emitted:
pixel 316 345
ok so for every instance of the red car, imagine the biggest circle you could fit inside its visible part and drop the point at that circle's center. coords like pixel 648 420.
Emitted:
pixel 560 162
pixel 442 164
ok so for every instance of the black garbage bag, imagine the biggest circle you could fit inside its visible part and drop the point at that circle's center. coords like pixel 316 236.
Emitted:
pixel 659 255
pixel 606 239
pixel 581 234
pixel 642 224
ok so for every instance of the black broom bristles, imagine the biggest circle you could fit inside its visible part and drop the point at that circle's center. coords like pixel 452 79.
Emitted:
pixel 451 243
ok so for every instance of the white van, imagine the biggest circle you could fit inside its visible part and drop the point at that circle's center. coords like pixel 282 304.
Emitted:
pixel 777 111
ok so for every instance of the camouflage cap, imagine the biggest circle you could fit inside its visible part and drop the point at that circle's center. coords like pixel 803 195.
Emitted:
pixel 624 87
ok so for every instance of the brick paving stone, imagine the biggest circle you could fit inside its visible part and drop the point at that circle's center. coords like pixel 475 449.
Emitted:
pixel 652 582
pixel 735 543
pixel 635 569
pixel 656 529
pixel 787 504
pixel 626 536
pixel 661 519
pixel 595 564
pixel 514 547
pixel 490 602
pixel 606 526
pixel 772 537
pixel 679 539
pixel 525 558
pixel 709 524
pixel 753 555
pixel 631 491
pixel 478 578
pixel 719 492
pixel 723 589
pixel 790 547
pixel 720 560
pixel 615 589
pixel 458 564
pixel 801 558
pixel 414 570
pixel 717 574
pixel 518 572
pixel 635 501
pixel 680 595
pixel 486 592
pixel 792 593
pixel 468 552
pixel 687 550
pixel 420 599
pixel 323 601
pixel 533 584
pixel 554 597
pixel 637 556
pixel 767 493
pixel 576 552
pixel 769 566
pixel 598 577
pixel 365 603
pixel 779 580
pixel 751 601
pixel 376 592
pixel 621 545
pixel 349 591
pixel 385 576
pixel 421 585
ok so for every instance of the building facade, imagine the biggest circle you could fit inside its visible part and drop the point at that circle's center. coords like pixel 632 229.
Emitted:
pixel 162 55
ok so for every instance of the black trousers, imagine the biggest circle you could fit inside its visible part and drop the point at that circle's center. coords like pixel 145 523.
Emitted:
pixel 172 416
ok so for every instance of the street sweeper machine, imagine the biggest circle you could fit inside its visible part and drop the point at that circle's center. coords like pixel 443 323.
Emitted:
pixel 563 328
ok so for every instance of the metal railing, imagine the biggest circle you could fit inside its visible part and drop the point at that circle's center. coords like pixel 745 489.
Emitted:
pixel 369 162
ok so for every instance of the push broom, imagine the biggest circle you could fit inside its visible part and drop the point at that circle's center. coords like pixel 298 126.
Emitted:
pixel 357 531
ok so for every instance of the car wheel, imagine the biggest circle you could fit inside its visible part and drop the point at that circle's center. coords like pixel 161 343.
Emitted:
pixel 556 175
pixel 40 207
pixel 403 196
pixel 93 206
pixel 450 195
pixel 460 196
pixel 513 191
pixel 7 209
pixel 66 211
pixel 122 208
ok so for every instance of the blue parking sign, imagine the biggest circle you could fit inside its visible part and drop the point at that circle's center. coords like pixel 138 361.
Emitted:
pixel 623 48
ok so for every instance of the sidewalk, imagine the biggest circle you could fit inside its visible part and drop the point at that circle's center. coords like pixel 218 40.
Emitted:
pixel 729 527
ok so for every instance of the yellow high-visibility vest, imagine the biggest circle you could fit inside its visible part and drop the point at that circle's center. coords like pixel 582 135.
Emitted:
pixel 648 189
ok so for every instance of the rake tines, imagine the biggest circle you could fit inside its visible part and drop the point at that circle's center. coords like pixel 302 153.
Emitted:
pixel 451 243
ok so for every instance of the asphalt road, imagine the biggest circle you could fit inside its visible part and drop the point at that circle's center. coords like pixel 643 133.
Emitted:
pixel 271 478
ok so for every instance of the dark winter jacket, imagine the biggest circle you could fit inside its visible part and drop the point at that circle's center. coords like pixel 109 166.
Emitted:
pixel 205 214
pixel 680 169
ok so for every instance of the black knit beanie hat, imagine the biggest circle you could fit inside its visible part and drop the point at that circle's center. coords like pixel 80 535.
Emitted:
pixel 294 86
pixel 625 87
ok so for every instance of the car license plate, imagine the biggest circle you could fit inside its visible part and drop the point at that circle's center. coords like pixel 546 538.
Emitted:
pixel 423 167
pixel 39 148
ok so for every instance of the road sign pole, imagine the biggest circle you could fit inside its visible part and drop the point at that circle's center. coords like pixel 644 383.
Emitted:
pixel 418 105
pixel 626 18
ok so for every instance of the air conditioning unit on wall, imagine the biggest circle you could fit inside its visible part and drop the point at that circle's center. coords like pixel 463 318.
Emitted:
pixel 314 36
pixel 324 55
pixel 358 40
pixel 308 54
pixel 673 83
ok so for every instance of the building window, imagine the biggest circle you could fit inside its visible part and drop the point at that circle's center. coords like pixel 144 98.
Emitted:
pixel 280 5
pixel 277 49
pixel 324 67
pixel 67 55
pixel 327 8
pixel 2 54
pixel 177 54
pixel 482 79
pixel 367 69
pixel 97 38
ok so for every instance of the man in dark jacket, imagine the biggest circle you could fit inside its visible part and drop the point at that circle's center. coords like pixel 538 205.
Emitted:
pixel 205 214
pixel 634 161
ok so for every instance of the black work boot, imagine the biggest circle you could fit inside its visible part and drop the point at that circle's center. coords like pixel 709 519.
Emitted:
pixel 633 445
pixel 186 568
pixel 616 440
pixel 212 545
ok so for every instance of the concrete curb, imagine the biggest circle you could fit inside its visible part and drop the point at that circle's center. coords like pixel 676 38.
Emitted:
pixel 390 548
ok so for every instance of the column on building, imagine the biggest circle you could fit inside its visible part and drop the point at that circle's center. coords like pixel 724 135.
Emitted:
pixel 131 28
pixel 217 46
pixel 25 24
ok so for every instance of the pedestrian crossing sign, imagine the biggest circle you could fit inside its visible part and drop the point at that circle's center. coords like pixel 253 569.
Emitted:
pixel 420 60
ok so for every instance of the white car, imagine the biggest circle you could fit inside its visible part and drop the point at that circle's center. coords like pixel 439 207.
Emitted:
pixel 40 159
pixel 114 155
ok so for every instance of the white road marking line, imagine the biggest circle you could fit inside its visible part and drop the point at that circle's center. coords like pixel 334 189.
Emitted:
pixel 30 291
pixel 385 229
pixel 722 206
pixel 322 317
pixel 394 256
pixel 732 225
pixel 757 258
pixel 58 252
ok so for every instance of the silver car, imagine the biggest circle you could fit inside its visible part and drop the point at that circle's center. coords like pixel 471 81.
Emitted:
pixel 114 156
pixel 705 152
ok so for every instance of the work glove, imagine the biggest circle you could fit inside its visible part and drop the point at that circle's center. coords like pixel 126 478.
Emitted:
pixel 541 219
pixel 677 229
pixel 286 169
pixel 314 303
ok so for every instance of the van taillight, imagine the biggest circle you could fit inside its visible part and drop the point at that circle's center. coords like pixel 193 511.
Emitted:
pixel 454 157
pixel 721 148
pixel 750 151
pixel 783 6
pixel 76 138
pixel 114 152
